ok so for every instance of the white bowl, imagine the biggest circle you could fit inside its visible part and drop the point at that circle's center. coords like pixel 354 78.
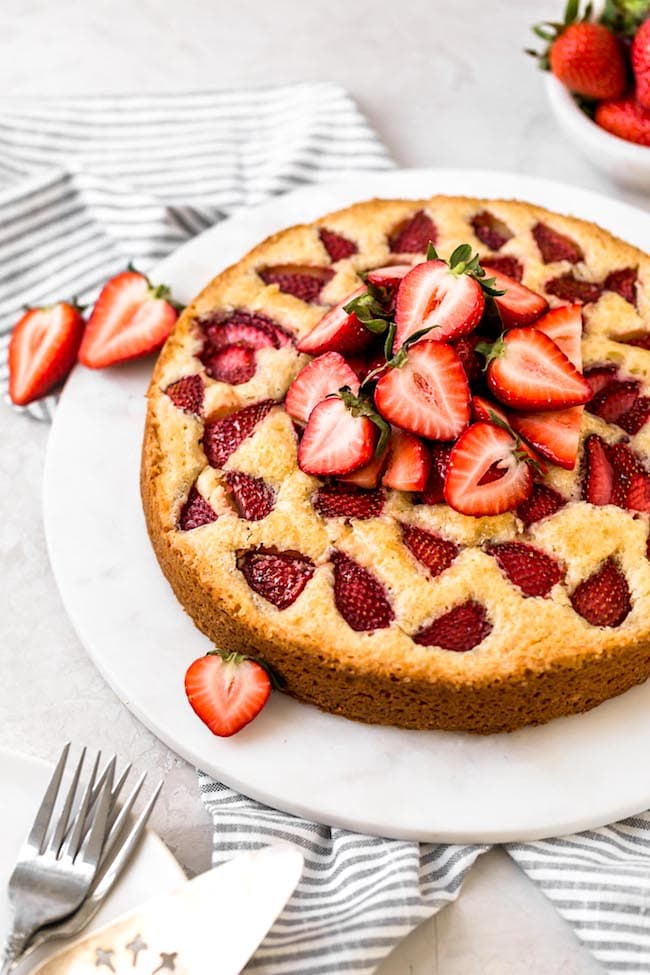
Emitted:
pixel 624 162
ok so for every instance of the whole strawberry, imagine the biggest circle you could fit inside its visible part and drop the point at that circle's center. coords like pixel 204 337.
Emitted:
pixel 625 118
pixel 640 55
pixel 584 55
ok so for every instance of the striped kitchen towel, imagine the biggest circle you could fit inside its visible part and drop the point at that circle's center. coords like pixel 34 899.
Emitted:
pixel 360 895
pixel 89 183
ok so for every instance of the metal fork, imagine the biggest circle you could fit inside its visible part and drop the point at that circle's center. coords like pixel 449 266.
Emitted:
pixel 52 878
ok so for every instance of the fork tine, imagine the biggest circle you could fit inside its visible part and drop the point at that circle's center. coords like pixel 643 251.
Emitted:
pixel 38 831
pixel 120 852
pixel 73 842
pixel 62 824
pixel 118 817
pixel 91 848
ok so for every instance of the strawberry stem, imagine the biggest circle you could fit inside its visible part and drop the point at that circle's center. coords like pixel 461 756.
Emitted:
pixel 492 350
pixel 362 406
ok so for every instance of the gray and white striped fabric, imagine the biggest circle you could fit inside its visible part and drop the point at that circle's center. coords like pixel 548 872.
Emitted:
pixel 360 895
pixel 89 183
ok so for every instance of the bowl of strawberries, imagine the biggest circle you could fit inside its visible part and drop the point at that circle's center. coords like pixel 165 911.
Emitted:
pixel 598 84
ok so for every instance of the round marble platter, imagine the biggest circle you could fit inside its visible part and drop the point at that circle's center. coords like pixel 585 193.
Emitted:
pixel 572 774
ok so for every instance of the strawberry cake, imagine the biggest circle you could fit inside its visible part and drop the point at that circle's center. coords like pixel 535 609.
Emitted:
pixel 401 456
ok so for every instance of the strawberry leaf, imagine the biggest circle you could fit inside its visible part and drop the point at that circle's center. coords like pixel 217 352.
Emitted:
pixel 361 406
pixel 371 309
pixel 432 253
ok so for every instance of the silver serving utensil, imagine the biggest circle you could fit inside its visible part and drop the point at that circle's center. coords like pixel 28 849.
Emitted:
pixel 211 924
pixel 53 875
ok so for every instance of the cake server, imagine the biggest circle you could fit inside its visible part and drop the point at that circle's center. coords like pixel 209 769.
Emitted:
pixel 211 924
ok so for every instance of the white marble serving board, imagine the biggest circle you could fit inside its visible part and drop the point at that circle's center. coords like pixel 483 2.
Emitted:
pixel 574 773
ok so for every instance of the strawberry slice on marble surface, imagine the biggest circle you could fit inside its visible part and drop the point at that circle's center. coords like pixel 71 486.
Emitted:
pixel 320 378
pixel 428 394
pixel 487 473
pixel 226 691
pixel 131 318
pixel 528 371
pixel 43 349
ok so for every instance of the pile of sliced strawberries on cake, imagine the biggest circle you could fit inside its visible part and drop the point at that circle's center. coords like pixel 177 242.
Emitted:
pixel 446 378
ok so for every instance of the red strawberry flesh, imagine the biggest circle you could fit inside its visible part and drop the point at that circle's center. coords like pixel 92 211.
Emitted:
pixel 252 330
pixel 226 691
pixel 542 503
pixel 636 417
pixel 604 598
pixel 614 400
pixel 337 331
pixel 335 441
pixel 598 481
pixel 187 394
pixel 570 288
pixel 434 492
pixel 623 283
pixel 337 246
pixel 533 571
pixel 431 550
pixel 233 364
pixel 409 463
pixel 461 629
pixel 504 264
pixel 555 246
pixel 301 281
pixel 471 487
pixel 554 434
pixel 347 501
pixel 413 235
pixel 490 230
pixel 518 305
pixel 432 296
pixel 279 577
pixel 318 379
pixel 359 597
pixel 196 511
pixel 42 350
pixel 221 438
pixel 255 499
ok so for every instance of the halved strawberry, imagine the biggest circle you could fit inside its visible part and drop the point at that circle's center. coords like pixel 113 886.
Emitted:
pixel 472 361
pixel 433 295
pixel 636 417
pixel 42 350
pixel 461 629
pixel 337 246
pixel 233 364
pixel 487 411
pixel 337 331
pixel 335 441
pixel 347 501
pixel 196 511
pixel 255 499
pixel 434 492
pixel 518 305
pixel 638 493
pixel 389 276
pixel 319 378
pixel 368 476
pixel 532 570
pixel 542 503
pixel 226 690
pixel 187 394
pixel 599 376
pixel 430 549
pixel 615 399
pixel 413 234
pixel 598 479
pixel 491 230
pixel 486 473
pixel 131 317
pixel 303 281
pixel 409 462
pixel 504 264
pixel 564 326
pixel 623 282
pixel 554 434
pixel 527 370
pixel 428 395
pixel 554 246
pixel 221 438
pixel 568 287
pixel 252 330
pixel 604 598
pixel 359 597
pixel 278 577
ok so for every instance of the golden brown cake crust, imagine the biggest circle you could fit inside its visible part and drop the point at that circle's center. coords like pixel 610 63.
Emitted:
pixel 541 659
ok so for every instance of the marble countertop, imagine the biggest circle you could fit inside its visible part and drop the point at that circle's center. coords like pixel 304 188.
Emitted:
pixel 445 84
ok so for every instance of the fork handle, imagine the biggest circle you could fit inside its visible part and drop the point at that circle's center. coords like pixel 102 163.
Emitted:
pixel 14 946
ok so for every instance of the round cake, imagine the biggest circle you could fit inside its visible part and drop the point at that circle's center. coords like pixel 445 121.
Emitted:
pixel 306 514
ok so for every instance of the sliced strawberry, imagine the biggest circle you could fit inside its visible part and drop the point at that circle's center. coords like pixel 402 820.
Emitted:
pixel 409 463
pixel 252 330
pixel 428 395
pixel 490 230
pixel 319 378
pixel 542 503
pixel 433 296
pixel 279 577
pixel 554 434
pixel 570 288
pixel 434 492
pixel 564 326
pixel 636 417
pixel 472 361
pixel 413 235
pixel 604 598
pixel 335 441
pixel 615 399
pixel 461 629
pixel 337 246
pixel 626 464
pixel 234 364
pixel 337 331
pixel 431 550
pixel 359 597
pixel 599 376
pixel 504 264
pixel 554 246
pixel 485 410
pixel 255 499
pixel 42 350
pixel 131 317
pixel 187 394
pixel 389 276
pixel 638 493
pixel 222 437
pixel 534 572
pixel 347 501
pixel 196 511
pixel 370 475
pixel 300 280
pixel 623 283
pixel 598 481
pixel 363 365
pixel 518 305
pixel 486 475
pixel 226 690
pixel 529 372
